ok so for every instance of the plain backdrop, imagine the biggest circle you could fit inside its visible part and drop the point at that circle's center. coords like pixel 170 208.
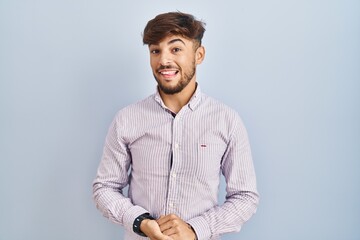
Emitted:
pixel 290 68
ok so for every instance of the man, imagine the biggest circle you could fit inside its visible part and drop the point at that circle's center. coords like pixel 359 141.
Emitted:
pixel 176 143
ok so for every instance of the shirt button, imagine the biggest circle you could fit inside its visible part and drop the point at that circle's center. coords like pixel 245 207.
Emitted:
pixel 176 145
pixel 173 175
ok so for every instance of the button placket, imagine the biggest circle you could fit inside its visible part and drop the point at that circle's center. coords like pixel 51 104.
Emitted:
pixel 176 155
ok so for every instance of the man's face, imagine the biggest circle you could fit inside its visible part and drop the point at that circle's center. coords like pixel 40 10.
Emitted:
pixel 173 62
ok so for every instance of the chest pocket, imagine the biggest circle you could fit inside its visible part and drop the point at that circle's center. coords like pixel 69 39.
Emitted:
pixel 209 156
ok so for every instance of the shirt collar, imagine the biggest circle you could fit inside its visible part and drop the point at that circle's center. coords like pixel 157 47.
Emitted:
pixel 195 99
pixel 193 103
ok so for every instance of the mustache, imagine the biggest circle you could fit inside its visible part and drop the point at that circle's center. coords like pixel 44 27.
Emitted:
pixel 162 67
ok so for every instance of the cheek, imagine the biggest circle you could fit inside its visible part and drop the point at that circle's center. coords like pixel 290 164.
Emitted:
pixel 188 64
pixel 153 65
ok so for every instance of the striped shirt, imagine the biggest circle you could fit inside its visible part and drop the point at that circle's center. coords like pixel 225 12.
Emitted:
pixel 174 164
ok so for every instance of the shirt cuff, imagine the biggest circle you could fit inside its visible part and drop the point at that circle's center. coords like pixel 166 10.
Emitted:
pixel 201 227
pixel 130 215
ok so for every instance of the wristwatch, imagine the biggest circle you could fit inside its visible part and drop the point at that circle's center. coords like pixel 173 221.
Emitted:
pixel 137 223
pixel 193 231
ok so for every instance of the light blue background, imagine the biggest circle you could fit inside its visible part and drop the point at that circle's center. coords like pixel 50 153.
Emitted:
pixel 290 68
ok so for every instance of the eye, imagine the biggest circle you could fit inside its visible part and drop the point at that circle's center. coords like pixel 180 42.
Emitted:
pixel 154 51
pixel 176 50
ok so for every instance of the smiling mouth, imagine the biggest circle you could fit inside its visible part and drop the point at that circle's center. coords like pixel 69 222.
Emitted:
pixel 168 73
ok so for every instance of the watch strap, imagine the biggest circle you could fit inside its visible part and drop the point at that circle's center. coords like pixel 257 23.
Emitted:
pixel 137 223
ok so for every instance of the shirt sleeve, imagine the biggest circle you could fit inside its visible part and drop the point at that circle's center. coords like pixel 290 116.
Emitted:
pixel 112 177
pixel 241 193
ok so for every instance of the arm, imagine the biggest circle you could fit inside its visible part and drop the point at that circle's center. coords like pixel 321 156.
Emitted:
pixel 112 177
pixel 241 198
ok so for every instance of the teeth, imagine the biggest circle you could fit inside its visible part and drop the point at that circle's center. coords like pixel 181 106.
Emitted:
pixel 168 72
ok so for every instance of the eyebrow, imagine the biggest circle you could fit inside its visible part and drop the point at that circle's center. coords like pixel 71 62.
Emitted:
pixel 171 42
pixel 176 40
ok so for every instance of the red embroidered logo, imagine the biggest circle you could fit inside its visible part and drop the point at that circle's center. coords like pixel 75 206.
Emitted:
pixel 203 145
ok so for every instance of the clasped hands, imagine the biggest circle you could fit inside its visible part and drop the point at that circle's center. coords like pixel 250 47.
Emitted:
pixel 169 227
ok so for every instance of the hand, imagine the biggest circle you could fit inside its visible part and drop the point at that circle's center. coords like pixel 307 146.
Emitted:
pixel 173 226
pixel 151 229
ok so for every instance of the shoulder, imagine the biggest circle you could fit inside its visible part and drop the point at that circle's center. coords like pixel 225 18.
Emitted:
pixel 222 114
pixel 136 107
pixel 222 109
pixel 135 111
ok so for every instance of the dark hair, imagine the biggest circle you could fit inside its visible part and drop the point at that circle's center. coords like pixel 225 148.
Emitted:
pixel 173 23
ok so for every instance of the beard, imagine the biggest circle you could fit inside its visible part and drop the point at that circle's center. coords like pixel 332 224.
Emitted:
pixel 183 82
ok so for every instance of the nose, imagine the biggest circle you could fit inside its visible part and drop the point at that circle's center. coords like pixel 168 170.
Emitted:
pixel 165 58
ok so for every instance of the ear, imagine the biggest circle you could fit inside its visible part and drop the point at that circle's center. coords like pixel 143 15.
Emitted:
pixel 199 55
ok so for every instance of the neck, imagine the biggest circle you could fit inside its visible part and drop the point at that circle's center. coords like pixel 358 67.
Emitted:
pixel 176 101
